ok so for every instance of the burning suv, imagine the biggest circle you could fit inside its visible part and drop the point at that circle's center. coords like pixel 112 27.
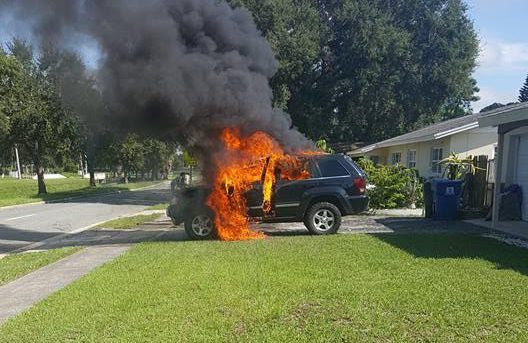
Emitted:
pixel 334 186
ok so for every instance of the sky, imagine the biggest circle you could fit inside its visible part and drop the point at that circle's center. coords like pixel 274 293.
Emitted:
pixel 501 25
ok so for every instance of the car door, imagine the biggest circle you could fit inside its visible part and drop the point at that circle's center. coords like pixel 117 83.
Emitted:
pixel 288 194
pixel 255 197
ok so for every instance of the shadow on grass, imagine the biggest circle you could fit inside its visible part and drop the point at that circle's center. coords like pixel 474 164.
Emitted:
pixel 460 246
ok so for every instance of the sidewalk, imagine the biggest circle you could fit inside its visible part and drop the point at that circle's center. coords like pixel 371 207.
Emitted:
pixel 21 294
pixel 102 245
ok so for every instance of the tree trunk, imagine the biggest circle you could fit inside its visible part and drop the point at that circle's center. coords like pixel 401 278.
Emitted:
pixel 92 179
pixel 40 181
pixel 91 171
pixel 125 178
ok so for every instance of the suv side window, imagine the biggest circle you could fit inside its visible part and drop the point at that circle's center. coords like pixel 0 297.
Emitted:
pixel 330 168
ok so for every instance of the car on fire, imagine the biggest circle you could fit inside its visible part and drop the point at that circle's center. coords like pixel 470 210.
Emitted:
pixel 335 187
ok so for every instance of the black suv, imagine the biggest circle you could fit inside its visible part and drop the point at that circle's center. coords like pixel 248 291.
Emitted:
pixel 336 187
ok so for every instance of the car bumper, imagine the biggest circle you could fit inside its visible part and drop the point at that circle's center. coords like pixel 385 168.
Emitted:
pixel 175 213
pixel 357 204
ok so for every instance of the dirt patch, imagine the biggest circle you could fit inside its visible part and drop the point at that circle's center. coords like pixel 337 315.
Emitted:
pixel 302 312
pixel 239 329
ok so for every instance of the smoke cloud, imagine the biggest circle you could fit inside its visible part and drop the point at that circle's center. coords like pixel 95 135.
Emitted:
pixel 186 68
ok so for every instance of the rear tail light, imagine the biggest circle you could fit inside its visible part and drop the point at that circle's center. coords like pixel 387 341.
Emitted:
pixel 361 184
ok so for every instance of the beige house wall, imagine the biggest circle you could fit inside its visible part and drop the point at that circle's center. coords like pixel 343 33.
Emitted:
pixel 480 141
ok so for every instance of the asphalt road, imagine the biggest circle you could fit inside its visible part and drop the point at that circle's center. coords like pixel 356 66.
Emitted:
pixel 23 225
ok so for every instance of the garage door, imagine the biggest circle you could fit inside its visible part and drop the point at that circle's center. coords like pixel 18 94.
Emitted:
pixel 522 172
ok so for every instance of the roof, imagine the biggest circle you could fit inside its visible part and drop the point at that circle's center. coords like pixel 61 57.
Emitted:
pixel 503 115
pixel 431 132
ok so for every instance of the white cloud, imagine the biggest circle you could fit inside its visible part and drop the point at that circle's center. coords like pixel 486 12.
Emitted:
pixel 498 55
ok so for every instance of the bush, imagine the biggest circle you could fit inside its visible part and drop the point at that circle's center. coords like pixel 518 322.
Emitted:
pixel 395 186
pixel 70 166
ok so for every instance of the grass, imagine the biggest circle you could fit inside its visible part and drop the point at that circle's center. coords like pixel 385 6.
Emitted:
pixel 129 222
pixel 16 265
pixel 162 206
pixel 343 288
pixel 15 192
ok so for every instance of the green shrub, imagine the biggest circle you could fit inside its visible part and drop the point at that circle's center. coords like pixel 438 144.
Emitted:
pixel 70 166
pixel 395 186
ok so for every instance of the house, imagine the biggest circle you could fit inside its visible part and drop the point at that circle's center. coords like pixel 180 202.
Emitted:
pixel 512 151
pixel 423 149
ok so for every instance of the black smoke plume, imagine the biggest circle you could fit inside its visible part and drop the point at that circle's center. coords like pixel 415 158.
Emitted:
pixel 184 68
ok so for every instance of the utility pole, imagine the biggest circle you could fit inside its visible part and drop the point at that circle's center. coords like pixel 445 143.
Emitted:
pixel 19 172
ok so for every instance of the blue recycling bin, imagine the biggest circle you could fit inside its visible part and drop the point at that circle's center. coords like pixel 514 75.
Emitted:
pixel 446 197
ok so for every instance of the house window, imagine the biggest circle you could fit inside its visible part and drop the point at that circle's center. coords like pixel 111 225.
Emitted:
pixel 374 159
pixel 411 158
pixel 396 158
pixel 436 157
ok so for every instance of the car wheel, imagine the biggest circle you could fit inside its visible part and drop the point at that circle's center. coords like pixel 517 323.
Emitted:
pixel 323 218
pixel 200 226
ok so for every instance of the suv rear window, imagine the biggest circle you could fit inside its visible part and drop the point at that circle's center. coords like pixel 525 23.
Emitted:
pixel 331 168
pixel 355 166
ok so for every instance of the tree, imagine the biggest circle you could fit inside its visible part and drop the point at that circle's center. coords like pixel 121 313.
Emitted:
pixel 40 126
pixel 82 101
pixel 11 96
pixel 11 91
pixel 363 70
pixel 158 157
pixel 293 29
pixel 323 146
pixel 130 153
pixel 523 93
pixel 492 107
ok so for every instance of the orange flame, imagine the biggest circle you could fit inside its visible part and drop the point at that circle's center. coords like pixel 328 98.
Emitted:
pixel 246 161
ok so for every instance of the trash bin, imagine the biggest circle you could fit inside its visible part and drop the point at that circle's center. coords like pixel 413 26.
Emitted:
pixel 446 197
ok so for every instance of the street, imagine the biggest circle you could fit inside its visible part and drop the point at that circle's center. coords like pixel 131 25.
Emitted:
pixel 23 225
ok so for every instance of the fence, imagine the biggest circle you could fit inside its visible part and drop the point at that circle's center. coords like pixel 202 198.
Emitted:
pixel 478 192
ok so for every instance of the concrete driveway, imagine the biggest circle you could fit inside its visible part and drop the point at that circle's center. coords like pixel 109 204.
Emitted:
pixel 163 230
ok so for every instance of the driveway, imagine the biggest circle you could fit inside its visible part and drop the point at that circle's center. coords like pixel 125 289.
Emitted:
pixel 381 224
pixel 23 225
pixel 163 230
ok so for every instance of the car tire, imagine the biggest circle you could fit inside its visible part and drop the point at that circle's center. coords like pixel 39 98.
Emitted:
pixel 200 226
pixel 323 218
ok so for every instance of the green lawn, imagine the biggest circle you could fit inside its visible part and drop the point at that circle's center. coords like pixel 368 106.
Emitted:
pixel 343 288
pixel 129 222
pixel 14 192
pixel 17 265
pixel 162 206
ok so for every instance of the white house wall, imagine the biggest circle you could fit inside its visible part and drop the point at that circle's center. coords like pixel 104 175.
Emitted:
pixel 476 142
pixel 479 141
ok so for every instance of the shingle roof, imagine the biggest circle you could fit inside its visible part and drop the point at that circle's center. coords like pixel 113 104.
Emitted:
pixel 504 114
pixel 431 132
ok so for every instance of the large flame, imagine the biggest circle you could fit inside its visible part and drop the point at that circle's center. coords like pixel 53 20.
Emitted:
pixel 246 161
